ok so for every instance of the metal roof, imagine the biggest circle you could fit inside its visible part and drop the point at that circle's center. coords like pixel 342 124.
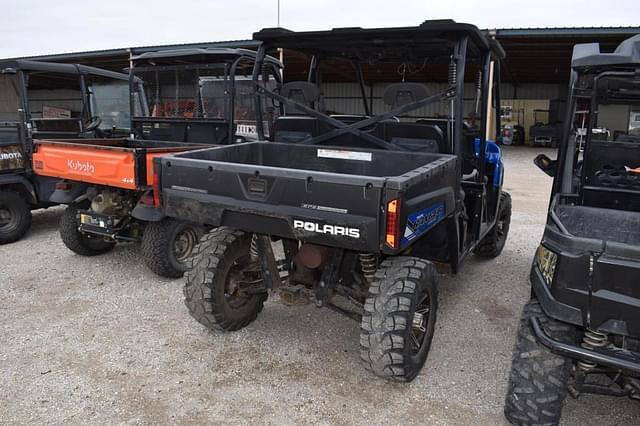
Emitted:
pixel 73 69
pixel 566 31
pixel 202 55
pixel 142 49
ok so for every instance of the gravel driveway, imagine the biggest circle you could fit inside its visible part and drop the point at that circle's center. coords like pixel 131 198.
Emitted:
pixel 103 340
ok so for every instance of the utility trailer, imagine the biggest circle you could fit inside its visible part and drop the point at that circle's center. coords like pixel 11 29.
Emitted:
pixel 191 100
pixel 50 100
pixel 580 331
pixel 366 201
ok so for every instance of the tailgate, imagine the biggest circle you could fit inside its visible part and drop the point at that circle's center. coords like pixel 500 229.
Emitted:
pixel 126 164
pixel 323 208
pixel 88 164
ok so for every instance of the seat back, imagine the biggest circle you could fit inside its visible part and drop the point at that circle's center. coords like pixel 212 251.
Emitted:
pixel 302 92
pixel 295 128
pixel 399 94
pixel 412 136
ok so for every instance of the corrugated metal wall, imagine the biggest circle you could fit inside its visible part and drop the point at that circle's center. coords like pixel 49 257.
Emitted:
pixel 346 98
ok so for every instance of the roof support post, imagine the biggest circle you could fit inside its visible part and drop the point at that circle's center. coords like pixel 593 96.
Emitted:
pixel 460 53
pixel 496 92
pixel 257 70
pixel 363 92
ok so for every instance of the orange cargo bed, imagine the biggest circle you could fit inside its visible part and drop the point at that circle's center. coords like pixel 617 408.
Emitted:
pixel 121 163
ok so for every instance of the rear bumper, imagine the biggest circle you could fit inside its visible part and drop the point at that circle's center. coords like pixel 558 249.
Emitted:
pixel 551 306
pixel 616 359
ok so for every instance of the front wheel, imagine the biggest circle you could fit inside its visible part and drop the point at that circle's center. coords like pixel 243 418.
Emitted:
pixel 493 243
pixel 215 293
pixel 399 318
pixel 78 242
pixel 538 382
pixel 15 216
pixel 168 244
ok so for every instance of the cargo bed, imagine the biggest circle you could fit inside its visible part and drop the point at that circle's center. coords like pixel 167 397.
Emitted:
pixel 121 163
pixel 325 195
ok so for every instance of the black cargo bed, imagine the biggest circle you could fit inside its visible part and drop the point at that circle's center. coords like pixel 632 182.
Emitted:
pixel 370 163
pixel 266 187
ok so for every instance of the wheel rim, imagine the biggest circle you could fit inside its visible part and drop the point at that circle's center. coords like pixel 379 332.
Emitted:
pixel 184 243
pixel 232 293
pixel 421 321
pixel 7 218
pixel 501 225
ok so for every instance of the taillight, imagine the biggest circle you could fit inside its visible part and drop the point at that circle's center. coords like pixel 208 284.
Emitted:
pixel 393 222
pixel 63 186
pixel 156 189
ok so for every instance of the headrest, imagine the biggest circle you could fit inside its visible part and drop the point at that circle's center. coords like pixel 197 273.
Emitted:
pixel 302 92
pixel 399 94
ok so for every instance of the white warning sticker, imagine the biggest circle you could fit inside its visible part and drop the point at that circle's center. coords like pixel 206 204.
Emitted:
pixel 344 155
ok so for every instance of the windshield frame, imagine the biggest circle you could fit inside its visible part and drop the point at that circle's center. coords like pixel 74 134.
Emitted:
pixel 94 101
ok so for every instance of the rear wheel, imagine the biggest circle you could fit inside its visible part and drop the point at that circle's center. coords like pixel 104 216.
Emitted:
pixel 213 291
pixel 79 242
pixel 492 244
pixel 538 382
pixel 399 318
pixel 168 244
pixel 15 216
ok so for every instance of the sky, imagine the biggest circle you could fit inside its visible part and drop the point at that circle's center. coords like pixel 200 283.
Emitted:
pixel 29 27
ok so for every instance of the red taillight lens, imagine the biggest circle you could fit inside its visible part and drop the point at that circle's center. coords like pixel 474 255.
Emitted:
pixel 147 199
pixel 156 189
pixel 63 186
pixel 393 222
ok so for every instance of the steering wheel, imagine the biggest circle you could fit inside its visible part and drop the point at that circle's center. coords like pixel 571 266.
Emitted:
pixel 92 124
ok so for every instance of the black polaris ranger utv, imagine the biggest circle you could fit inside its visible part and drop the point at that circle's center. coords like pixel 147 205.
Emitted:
pixel 580 332
pixel 49 100
pixel 367 196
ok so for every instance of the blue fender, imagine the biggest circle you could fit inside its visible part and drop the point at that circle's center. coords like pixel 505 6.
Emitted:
pixel 492 155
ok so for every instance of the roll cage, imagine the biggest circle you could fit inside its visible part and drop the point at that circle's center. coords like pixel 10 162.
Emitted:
pixel 591 69
pixel 191 66
pixel 74 74
pixel 444 43
pixel 19 122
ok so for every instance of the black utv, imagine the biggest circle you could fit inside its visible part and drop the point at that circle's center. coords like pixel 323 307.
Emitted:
pixel 50 100
pixel 200 96
pixel 580 332
pixel 368 197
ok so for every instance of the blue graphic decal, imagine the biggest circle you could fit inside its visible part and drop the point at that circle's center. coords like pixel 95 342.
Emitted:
pixel 421 221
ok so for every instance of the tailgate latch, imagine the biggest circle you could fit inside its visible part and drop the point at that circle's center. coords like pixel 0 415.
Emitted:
pixel 257 186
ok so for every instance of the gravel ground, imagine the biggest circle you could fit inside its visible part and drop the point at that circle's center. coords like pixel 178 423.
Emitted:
pixel 103 340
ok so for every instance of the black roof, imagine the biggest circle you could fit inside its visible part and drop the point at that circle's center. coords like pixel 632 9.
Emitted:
pixel 429 35
pixel 588 55
pixel 200 55
pixel 72 69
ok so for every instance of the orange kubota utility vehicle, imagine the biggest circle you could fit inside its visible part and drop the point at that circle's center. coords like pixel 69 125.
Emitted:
pixel 50 100
pixel 194 96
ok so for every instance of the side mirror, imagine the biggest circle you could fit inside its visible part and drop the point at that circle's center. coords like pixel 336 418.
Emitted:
pixel 546 164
